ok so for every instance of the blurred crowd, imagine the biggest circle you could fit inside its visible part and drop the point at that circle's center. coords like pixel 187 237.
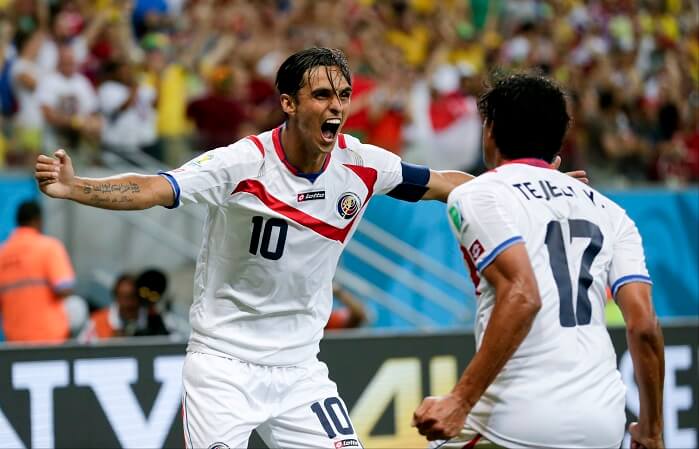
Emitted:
pixel 138 80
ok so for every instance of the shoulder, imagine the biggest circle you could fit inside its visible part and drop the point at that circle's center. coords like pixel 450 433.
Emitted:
pixel 243 151
pixel 50 243
pixel 488 184
pixel 369 155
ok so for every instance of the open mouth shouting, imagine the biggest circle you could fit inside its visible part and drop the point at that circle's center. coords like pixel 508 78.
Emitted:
pixel 329 129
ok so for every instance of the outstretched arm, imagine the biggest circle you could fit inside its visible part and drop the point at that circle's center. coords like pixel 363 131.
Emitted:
pixel 128 191
pixel 645 341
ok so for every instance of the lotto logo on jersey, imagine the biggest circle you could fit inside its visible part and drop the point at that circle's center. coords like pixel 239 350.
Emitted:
pixel 346 443
pixel 308 196
pixel 348 205
pixel 476 250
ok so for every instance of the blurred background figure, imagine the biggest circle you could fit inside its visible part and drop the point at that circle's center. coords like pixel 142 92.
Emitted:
pixel 69 105
pixel 124 316
pixel 36 275
pixel 128 112
pixel 348 311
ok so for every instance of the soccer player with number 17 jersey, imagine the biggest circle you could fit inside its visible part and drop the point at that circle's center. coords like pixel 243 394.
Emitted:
pixel 542 248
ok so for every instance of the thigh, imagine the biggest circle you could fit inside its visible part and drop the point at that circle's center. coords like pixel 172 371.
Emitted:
pixel 218 401
pixel 311 415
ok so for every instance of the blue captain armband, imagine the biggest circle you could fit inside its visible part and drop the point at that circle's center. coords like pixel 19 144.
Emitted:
pixel 414 185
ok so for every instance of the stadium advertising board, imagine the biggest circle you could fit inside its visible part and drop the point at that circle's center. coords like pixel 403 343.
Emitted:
pixel 128 395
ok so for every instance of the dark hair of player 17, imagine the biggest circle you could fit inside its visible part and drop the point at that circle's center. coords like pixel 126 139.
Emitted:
pixel 291 74
pixel 28 212
pixel 528 115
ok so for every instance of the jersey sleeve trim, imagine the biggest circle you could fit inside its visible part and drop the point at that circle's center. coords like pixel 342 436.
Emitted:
pixel 175 189
pixel 414 185
pixel 630 278
pixel 496 252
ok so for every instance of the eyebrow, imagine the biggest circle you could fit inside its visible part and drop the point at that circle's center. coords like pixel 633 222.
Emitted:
pixel 327 90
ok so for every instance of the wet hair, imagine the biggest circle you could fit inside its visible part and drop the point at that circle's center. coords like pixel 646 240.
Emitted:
pixel 28 212
pixel 291 74
pixel 528 115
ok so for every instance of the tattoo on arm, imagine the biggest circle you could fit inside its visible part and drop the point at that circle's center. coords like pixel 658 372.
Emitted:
pixel 105 193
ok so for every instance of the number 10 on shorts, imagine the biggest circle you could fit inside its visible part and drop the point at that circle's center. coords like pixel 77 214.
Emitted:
pixel 328 412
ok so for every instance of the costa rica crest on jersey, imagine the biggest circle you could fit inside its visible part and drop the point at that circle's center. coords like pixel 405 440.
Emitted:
pixel 348 205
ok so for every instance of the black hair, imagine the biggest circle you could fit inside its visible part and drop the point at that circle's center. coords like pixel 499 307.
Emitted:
pixel 28 212
pixel 291 74
pixel 528 115
pixel 150 285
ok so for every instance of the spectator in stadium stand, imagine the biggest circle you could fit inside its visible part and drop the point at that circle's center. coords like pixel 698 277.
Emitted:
pixel 122 318
pixel 128 111
pixel 36 275
pixel 219 117
pixel 544 360
pixel 28 121
pixel 69 105
pixel 349 314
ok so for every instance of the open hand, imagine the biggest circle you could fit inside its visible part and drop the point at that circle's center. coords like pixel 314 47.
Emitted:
pixel 440 418
pixel 55 174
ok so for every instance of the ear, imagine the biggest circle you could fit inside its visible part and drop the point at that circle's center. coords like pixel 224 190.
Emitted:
pixel 288 104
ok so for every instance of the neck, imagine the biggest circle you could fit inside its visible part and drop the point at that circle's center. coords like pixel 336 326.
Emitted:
pixel 305 157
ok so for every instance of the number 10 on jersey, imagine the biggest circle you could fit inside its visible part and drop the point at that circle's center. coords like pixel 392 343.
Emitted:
pixel 266 229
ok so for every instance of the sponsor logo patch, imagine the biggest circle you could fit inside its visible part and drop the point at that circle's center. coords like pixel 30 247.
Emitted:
pixel 348 205
pixel 476 250
pixel 219 445
pixel 308 196
pixel 351 442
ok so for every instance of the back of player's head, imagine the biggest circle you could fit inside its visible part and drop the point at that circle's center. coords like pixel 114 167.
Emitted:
pixel 291 74
pixel 528 115
pixel 28 213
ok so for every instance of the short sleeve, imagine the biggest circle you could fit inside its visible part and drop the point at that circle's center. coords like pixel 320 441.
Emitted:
pixel 60 270
pixel 479 216
pixel 387 165
pixel 628 259
pixel 212 177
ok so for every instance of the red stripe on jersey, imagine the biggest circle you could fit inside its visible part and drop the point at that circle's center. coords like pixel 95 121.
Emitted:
pixel 322 228
pixel 341 142
pixel 471 444
pixel 258 144
pixel 368 175
pixel 475 278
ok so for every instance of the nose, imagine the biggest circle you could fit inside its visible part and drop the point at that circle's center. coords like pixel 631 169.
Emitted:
pixel 335 105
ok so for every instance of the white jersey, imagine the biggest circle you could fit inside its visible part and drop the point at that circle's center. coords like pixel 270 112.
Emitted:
pixel 272 240
pixel 561 387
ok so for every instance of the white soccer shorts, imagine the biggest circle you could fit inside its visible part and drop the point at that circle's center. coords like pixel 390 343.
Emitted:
pixel 291 407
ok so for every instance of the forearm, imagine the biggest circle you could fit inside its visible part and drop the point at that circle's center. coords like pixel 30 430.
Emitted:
pixel 647 352
pixel 121 192
pixel 442 182
pixel 510 322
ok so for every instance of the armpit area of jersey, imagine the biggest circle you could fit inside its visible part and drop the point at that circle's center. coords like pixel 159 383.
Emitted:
pixel 414 185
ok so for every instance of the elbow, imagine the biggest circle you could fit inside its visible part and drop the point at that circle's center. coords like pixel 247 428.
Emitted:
pixel 532 303
pixel 644 329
